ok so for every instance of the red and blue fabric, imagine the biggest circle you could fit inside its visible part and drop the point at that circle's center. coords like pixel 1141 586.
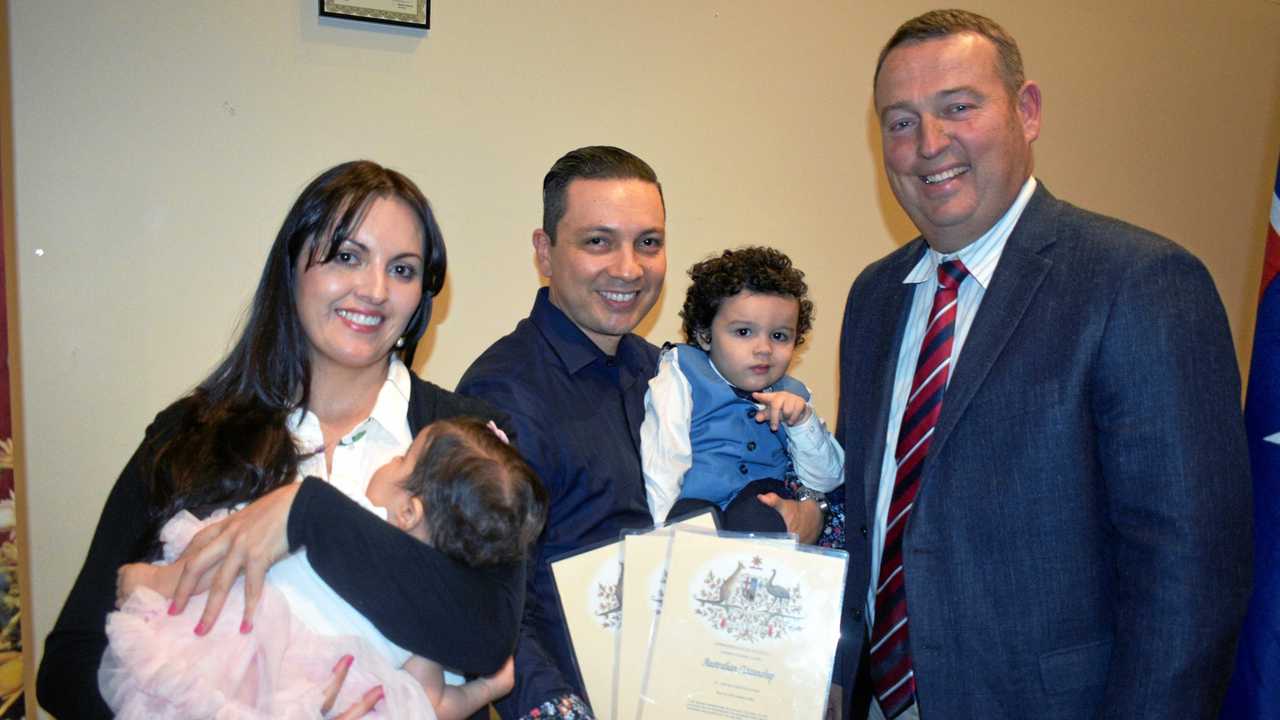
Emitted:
pixel 1255 687
pixel 892 670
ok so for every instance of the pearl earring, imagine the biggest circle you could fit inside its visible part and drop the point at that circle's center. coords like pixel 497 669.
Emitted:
pixel 400 342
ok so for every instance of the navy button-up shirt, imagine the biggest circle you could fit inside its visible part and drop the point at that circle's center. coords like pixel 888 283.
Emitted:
pixel 577 415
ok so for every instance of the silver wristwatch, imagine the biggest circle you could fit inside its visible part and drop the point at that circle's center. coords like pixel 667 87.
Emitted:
pixel 804 493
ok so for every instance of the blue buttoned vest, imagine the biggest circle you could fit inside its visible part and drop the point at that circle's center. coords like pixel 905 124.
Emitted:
pixel 730 449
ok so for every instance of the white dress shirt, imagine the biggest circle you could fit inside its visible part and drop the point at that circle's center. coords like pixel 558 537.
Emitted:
pixel 981 258
pixel 382 436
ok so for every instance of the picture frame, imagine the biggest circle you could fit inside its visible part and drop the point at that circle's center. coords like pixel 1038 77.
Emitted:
pixel 405 13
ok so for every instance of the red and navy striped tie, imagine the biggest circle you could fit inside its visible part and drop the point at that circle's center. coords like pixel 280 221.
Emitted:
pixel 892 673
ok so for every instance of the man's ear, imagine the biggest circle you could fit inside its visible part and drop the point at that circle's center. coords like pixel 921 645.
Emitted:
pixel 1029 105
pixel 542 251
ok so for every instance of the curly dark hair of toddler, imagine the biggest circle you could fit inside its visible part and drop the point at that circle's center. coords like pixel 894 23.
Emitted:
pixel 483 504
pixel 760 270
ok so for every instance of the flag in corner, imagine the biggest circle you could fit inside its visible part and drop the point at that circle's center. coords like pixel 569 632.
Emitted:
pixel 1255 687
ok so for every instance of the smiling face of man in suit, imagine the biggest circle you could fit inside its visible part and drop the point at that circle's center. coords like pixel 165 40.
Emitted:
pixel 957 142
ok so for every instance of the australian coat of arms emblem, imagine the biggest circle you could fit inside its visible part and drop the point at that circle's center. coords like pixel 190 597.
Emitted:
pixel 750 603
pixel 606 602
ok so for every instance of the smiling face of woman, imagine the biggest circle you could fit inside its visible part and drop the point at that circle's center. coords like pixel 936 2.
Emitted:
pixel 354 307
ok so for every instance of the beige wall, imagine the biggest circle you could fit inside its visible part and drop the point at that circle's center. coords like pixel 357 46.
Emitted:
pixel 157 146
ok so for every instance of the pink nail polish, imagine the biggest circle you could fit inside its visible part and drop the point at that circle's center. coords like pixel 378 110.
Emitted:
pixel 173 608
pixel 380 695
pixel 343 662
pixel 246 627
pixel 201 629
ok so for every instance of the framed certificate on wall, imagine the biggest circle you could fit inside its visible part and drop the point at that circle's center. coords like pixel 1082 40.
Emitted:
pixel 409 13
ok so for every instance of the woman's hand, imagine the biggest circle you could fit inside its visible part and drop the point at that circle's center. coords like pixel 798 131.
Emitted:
pixel 247 542
pixel 362 707
pixel 804 518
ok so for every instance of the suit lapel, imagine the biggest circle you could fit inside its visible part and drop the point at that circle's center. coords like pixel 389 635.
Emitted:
pixel 1014 283
pixel 890 318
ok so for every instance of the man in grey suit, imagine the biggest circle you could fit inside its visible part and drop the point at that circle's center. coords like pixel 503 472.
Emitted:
pixel 1040 408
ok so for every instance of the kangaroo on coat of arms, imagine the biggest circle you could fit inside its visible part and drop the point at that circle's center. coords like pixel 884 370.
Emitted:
pixel 608 602
pixel 749 604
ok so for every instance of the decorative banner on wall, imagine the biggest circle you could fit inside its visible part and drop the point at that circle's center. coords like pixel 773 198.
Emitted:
pixel 12 704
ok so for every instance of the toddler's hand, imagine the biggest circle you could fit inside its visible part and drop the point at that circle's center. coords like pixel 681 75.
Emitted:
pixel 781 406
pixel 501 682
pixel 161 578
pixel 129 578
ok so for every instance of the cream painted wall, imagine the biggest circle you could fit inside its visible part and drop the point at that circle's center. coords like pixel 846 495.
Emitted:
pixel 158 145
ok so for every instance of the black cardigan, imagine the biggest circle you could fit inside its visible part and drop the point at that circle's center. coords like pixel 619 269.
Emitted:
pixel 471 626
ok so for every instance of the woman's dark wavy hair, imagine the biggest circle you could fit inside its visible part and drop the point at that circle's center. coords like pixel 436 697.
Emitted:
pixel 755 269
pixel 484 505
pixel 231 443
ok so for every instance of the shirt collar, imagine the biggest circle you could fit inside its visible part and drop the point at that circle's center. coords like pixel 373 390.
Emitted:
pixel 392 406
pixel 981 255
pixel 575 350
pixel 389 414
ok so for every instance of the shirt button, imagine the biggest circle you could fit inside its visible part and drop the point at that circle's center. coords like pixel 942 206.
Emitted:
pixel 751 445
pixel 863 530
pixel 857 615
pixel 742 468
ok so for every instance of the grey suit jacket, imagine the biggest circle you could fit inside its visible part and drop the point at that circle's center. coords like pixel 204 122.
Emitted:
pixel 1080 544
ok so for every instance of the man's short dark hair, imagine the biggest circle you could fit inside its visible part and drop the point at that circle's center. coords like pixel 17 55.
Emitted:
pixel 941 23
pixel 483 504
pixel 760 270
pixel 594 162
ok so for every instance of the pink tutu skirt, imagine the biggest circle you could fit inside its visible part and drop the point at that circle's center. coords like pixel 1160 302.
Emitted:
pixel 157 667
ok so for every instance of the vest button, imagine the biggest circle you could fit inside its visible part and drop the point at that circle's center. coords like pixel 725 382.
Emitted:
pixel 863 530
pixel 751 445
pixel 742 468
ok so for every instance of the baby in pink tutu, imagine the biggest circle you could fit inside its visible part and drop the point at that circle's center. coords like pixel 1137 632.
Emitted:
pixel 459 487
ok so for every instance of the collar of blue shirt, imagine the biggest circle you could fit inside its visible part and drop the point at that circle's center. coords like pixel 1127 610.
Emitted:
pixel 575 349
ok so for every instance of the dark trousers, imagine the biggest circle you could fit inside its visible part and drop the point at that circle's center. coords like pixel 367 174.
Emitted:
pixel 745 513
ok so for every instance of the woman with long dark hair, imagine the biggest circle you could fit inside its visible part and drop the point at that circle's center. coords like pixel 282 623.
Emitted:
pixel 317 385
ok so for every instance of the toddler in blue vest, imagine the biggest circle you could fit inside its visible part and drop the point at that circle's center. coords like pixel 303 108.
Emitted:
pixel 724 425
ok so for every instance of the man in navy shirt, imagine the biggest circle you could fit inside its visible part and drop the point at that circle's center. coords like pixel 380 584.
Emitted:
pixel 572 376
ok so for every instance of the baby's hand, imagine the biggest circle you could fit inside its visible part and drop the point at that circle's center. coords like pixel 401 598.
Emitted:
pixel 129 578
pixel 781 406
pixel 501 682
pixel 161 578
